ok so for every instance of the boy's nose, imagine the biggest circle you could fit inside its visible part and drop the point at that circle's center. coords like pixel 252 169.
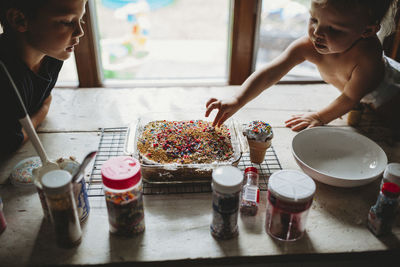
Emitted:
pixel 79 31
pixel 318 32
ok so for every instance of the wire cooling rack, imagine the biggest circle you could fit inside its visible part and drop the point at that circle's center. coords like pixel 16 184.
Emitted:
pixel 112 142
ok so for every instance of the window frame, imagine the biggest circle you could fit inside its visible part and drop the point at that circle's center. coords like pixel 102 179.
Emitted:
pixel 245 19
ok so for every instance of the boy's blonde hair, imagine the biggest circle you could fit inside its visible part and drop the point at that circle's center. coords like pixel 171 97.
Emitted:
pixel 379 12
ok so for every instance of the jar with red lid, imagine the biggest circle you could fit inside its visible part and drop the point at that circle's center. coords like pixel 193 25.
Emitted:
pixel 122 184
pixel 289 198
pixel 250 193
pixel 381 216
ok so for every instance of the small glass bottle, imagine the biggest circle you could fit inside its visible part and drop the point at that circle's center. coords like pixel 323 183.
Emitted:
pixel 289 198
pixel 122 183
pixel 250 192
pixel 58 191
pixel 391 174
pixel 3 223
pixel 226 187
pixel 381 215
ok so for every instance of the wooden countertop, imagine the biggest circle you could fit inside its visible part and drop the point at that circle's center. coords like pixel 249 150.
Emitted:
pixel 177 225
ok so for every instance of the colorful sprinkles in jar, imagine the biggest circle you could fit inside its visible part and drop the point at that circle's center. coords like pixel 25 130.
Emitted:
pixel 122 184
pixel 125 211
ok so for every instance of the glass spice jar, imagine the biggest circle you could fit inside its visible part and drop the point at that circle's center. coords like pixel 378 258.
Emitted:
pixel 59 195
pixel 381 216
pixel 226 187
pixel 122 185
pixel 250 192
pixel 289 198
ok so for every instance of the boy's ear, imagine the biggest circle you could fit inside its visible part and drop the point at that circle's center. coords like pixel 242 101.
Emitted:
pixel 371 30
pixel 17 20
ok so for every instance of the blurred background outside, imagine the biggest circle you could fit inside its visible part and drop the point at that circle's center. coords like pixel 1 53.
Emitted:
pixel 186 39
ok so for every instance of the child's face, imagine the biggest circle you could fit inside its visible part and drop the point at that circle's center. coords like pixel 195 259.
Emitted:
pixel 56 28
pixel 332 30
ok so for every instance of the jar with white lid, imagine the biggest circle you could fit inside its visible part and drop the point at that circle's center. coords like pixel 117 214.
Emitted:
pixel 226 187
pixel 289 198
pixel 122 184
pixel 59 195
pixel 391 174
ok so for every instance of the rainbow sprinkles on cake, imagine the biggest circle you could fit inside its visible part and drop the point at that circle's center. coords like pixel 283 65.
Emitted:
pixel 185 142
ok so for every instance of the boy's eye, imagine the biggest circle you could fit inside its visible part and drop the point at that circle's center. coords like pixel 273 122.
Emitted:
pixel 67 23
pixel 312 20
pixel 333 30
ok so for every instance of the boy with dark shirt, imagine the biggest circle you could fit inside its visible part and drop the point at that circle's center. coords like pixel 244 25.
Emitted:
pixel 38 36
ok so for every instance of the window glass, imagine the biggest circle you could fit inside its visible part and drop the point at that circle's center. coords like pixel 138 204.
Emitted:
pixel 163 39
pixel 281 23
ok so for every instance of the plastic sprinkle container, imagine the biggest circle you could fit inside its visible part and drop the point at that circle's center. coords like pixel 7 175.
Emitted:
pixel 80 191
pixel 60 198
pixel 226 187
pixel 391 174
pixel 122 185
pixel 289 198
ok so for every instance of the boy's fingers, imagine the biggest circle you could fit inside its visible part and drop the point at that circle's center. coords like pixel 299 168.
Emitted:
pixel 210 101
pixel 223 119
pixel 217 118
pixel 294 122
pixel 210 108
pixel 300 126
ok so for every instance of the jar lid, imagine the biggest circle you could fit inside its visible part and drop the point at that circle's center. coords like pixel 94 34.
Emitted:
pixel 22 173
pixel 56 182
pixel 227 179
pixel 391 190
pixel 291 185
pixel 120 172
pixel 392 171
pixel 251 169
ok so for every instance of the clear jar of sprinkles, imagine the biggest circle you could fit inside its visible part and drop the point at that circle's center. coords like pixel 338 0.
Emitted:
pixel 60 199
pixel 226 187
pixel 289 198
pixel 122 185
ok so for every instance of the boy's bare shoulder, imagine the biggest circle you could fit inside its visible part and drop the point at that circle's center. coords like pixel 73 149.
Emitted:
pixel 301 47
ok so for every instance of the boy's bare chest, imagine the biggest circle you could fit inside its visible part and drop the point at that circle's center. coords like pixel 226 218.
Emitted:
pixel 336 71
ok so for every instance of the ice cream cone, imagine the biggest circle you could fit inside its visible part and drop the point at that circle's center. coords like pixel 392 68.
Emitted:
pixel 258 150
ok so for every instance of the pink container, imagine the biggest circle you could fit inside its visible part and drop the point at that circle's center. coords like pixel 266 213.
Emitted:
pixel 3 224
pixel 122 184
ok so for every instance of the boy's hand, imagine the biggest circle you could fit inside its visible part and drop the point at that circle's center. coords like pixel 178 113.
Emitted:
pixel 300 122
pixel 226 108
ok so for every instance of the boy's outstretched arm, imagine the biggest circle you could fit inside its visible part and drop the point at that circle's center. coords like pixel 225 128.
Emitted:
pixel 39 116
pixel 336 109
pixel 364 79
pixel 259 81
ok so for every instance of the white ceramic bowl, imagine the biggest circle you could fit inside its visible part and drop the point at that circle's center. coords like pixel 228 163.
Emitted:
pixel 338 157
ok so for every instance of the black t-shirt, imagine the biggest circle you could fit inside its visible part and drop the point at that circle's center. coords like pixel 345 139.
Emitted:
pixel 33 88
